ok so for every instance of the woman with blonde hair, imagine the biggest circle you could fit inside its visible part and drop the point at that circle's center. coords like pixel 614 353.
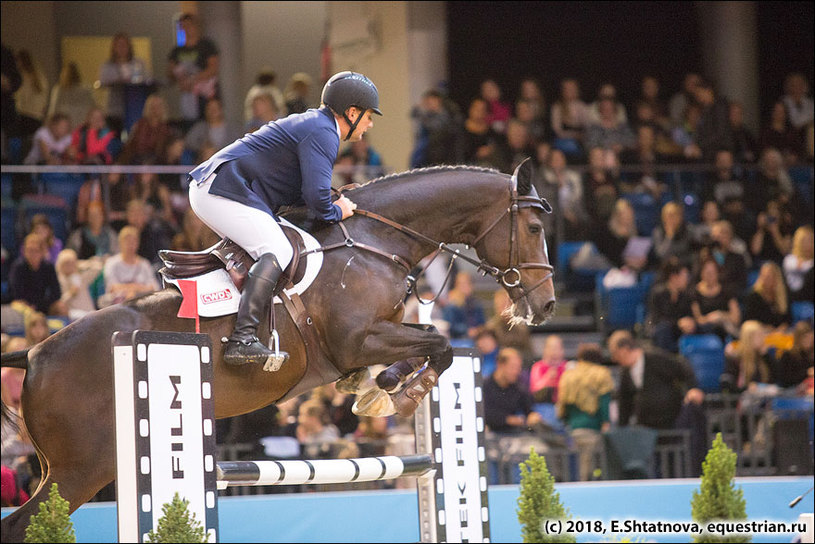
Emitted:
pixel 150 136
pixel 749 363
pixel 36 327
pixel 767 300
pixel 75 278
pixel 798 264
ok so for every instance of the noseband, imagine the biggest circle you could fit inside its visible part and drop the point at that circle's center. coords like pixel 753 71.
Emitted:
pixel 509 277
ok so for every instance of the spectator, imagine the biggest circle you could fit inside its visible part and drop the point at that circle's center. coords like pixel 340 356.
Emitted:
pixel 154 234
pixel 122 68
pixel 773 236
pixel 94 142
pixel 659 390
pixel 796 100
pixel 778 134
pixel 583 400
pixel 486 342
pixel 531 95
pixel 570 117
pixel 507 406
pixel 713 132
pixel 745 148
pixel 773 181
pixel 669 307
pixel 264 111
pixel 498 111
pixel 671 238
pixel 685 134
pixel 95 239
pixel 740 217
pixel 194 234
pixel 731 255
pixel 796 364
pixel 509 335
pixel 32 96
pixel 371 436
pixel 546 373
pixel 607 92
pixel 265 84
pixel 649 94
pixel 52 142
pixel 528 113
pixel 437 135
pixel 566 189
pixel 312 424
pixel 480 142
pixel 150 136
pixel 36 328
pixel 702 231
pixel 33 280
pixel 798 264
pixel 213 129
pixel 613 238
pixel 75 278
pixel 296 93
pixel 155 195
pixel 715 309
pixel 41 226
pixel 70 96
pixel 680 101
pixel 127 275
pixel 600 186
pixel 366 158
pixel 463 311
pixel 193 69
pixel 518 146
pixel 749 363
pixel 723 183
pixel 11 82
pixel 766 302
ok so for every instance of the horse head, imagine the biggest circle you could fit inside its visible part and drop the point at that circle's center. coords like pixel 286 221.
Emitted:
pixel 516 246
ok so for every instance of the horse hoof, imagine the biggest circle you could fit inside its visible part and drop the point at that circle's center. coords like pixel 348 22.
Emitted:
pixel 374 403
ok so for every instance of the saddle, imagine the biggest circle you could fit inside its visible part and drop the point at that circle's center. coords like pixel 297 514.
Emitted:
pixel 229 255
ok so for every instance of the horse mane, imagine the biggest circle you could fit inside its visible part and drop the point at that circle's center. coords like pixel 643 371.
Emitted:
pixel 430 170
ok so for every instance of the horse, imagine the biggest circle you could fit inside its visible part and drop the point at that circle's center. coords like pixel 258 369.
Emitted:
pixel 356 306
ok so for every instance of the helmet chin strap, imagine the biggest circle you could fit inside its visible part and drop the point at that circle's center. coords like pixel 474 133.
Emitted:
pixel 350 124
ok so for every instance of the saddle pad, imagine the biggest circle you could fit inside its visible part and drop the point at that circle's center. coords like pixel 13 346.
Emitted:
pixel 217 294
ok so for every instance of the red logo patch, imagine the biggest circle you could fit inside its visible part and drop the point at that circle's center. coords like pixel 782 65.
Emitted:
pixel 218 296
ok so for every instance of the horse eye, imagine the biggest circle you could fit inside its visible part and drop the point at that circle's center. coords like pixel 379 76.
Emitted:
pixel 535 229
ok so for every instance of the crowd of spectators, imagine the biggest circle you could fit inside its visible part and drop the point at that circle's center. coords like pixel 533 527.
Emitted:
pixel 588 156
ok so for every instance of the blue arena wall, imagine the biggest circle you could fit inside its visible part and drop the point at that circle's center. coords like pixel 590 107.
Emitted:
pixel 392 516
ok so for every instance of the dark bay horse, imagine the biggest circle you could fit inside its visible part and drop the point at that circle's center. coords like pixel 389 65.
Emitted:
pixel 356 304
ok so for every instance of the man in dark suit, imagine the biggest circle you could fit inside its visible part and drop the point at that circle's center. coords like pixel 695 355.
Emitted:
pixel 658 390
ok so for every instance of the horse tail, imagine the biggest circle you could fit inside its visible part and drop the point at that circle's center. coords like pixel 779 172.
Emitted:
pixel 15 359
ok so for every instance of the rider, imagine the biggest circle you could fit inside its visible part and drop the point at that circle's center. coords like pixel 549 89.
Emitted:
pixel 289 161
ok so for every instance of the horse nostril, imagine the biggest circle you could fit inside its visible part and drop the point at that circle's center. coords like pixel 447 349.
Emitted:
pixel 549 307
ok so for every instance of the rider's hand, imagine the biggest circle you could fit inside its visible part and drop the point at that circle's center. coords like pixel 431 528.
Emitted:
pixel 346 206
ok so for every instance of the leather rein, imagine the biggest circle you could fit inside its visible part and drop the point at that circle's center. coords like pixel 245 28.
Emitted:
pixel 509 277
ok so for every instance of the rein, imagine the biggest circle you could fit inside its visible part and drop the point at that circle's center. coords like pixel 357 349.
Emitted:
pixel 502 276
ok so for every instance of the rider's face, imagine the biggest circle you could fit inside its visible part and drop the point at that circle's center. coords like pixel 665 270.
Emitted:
pixel 364 124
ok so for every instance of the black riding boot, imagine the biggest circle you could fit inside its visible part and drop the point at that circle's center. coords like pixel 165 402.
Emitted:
pixel 243 346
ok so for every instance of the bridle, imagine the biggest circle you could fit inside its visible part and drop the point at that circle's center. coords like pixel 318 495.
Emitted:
pixel 510 277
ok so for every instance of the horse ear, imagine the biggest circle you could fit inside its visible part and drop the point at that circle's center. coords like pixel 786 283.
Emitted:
pixel 523 176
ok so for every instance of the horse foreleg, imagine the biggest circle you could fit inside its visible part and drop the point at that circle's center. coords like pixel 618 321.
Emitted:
pixel 388 341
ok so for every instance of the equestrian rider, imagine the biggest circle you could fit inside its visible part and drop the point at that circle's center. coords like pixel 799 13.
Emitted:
pixel 286 162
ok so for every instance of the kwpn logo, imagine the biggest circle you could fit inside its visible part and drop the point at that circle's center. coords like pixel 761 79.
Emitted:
pixel 217 296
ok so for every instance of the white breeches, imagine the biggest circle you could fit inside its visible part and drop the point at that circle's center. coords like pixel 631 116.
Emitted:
pixel 255 231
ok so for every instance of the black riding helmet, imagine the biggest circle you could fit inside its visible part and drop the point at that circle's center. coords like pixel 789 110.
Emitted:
pixel 347 89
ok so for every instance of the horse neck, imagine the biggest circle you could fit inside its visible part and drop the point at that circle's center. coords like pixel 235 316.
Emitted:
pixel 451 207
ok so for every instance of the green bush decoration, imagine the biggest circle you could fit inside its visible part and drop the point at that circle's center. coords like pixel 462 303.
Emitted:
pixel 718 499
pixel 177 525
pixel 539 502
pixel 52 523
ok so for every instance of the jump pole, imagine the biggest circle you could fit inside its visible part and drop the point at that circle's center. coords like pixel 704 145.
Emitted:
pixel 165 444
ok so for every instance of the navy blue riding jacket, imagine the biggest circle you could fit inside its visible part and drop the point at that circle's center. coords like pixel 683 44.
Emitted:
pixel 285 162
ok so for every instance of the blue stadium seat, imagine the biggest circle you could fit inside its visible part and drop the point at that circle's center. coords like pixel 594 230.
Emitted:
pixel 574 279
pixel 6 184
pixel 619 307
pixel 646 210
pixel 705 352
pixel 802 310
pixel 795 408
pixel 66 186
pixel 801 177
